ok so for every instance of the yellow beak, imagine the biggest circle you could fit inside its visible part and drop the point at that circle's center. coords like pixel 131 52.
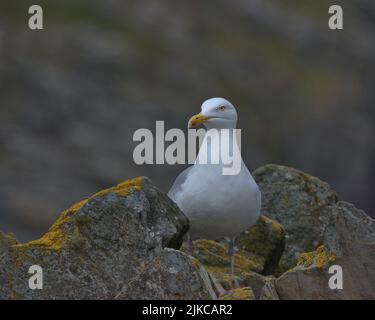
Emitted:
pixel 196 120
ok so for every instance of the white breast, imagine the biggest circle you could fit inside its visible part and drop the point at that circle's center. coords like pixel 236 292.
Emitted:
pixel 216 204
pixel 219 206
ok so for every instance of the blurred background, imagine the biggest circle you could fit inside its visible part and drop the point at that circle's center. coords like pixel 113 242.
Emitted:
pixel 72 95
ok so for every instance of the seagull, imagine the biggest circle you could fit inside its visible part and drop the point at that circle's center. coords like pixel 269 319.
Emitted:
pixel 217 205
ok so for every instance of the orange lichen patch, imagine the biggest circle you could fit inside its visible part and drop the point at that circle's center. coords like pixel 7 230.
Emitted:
pixel 321 257
pixel 123 189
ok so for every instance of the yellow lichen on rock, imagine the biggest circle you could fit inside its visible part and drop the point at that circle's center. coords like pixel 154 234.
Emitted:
pixel 56 236
pixel 215 255
pixel 259 249
pixel 239 294
pixel 123 189
pixel 75 207
pixel 321 257
pixel 264 242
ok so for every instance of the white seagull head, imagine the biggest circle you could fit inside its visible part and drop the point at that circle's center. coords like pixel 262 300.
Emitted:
pixel 216 113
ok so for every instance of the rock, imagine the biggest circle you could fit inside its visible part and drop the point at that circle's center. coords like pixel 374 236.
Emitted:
pixel 348 242
pixel 265 241
pixel 214 254
pixel 269 291
pixel 320 258
pixel 257 282
pixel 239 294
pixel 119 244
pixel 297 201
pixel 258 251
pixel 122 243
pixel 6 241
pixel 214 257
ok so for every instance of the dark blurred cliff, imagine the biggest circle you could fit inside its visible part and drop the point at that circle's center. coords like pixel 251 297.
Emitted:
pixel 72 94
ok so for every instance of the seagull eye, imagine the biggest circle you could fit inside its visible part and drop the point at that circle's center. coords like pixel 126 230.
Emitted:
pixel 221 108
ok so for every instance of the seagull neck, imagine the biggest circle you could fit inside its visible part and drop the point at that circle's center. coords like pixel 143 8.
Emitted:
pixel 220 125
pixel 219 133
pixel 218 145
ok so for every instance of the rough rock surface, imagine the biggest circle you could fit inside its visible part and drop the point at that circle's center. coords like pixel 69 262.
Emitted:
pixel 296 200
pixel 265 241
pixel 245 293
pixel 122 244
pixel 269 291
pixel 320 232
pixel 348 242
pixel 118 244
pixel 258 252
pixel 214 258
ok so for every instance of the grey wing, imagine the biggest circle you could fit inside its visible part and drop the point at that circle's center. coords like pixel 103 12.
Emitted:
pixel 177 185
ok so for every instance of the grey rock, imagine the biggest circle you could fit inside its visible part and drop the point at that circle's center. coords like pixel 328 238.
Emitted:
pixel 348 242
pixel 244 293
pixel 266 241
pixel 214 258
pixel 258 283
pixel 119 244
pixel 296 200
pixel 269 291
